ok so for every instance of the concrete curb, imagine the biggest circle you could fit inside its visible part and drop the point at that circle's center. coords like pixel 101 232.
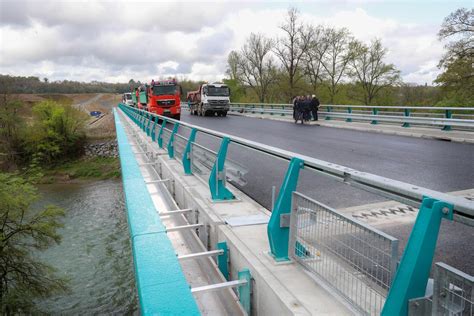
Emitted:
pixel 414 132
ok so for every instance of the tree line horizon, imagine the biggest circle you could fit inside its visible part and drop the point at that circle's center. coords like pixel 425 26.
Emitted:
pixel 327 61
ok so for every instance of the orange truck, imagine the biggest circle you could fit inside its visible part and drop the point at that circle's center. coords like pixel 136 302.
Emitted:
pixel 161 97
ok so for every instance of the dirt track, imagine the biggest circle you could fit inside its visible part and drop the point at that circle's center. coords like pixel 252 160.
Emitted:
pixel 102 127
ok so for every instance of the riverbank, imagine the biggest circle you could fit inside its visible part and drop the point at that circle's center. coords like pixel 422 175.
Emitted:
pixel 83 169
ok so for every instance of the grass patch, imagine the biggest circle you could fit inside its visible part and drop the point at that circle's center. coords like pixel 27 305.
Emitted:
pixel 59 98
pixel 85 168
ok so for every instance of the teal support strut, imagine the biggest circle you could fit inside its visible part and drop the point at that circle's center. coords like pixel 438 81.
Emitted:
pixel 153 130
pixel 407 114
pixel 148 125
pixel 328 117
pixel 278 236
pixel 170 146
pixel 448 114
pixel 160 134
pixel 223 259
pixel 245 290
pixel 187 153
pixel 374 112
pixel 414 269
pixel 349 111
pixel 217 177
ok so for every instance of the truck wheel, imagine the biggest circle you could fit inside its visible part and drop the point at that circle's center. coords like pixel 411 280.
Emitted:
pixel 224 114
pixel 177 117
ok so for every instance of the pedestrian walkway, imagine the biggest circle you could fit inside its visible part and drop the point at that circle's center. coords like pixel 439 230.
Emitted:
pixel 421 132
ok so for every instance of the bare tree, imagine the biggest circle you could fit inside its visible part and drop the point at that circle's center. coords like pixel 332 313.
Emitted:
pixel 291 48
pixel 255 65
pixel 369 70
pixel 336 59
pixel 317 47
pixel 460 25
pixel 233 65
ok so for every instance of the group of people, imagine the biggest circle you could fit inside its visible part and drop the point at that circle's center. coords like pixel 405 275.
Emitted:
pixel 305 107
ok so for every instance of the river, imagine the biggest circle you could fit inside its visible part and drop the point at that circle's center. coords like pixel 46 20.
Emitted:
pixel 95 252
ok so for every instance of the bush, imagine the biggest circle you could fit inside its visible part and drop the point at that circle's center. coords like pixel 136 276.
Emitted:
pixel 57 133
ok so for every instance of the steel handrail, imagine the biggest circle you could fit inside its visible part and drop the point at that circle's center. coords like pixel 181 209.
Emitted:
pixel 364 106
pixel 397 190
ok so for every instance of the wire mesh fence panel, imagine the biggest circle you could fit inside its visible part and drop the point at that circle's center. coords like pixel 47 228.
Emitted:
pixel 202 161
pixel 453 291
pixel 179 144
pixel 355 260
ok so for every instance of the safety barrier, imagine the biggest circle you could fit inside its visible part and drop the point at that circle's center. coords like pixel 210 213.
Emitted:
pixel 354 259
pixel 412 275
pixel 374 114
pixel 160 280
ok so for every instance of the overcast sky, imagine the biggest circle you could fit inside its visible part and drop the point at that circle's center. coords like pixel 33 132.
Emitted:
pixel 115 41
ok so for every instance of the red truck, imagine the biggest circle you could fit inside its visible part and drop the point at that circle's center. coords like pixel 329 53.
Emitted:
pixel 161 97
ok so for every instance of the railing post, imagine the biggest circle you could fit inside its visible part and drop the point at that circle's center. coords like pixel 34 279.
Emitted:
pixel 149 123
pixel 328 117
pixel 283 110
pixel 374 112
pixel 448 114
pixel 245 290
pixel 414 269
pixel 271 112
pixel 349 111
pixel 222 259
pixel 170 146
pixel 160 134
pixel 278 234
pixel 407 114
pixel 187 153
pixel 153 129
pixel 217 177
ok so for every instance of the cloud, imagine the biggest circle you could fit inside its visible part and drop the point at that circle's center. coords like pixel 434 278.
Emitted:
pixel 114 41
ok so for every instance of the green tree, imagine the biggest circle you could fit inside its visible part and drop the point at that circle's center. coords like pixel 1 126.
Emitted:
pixel 23 230
pixel 457 79
pixel 369 70
pixel 57 132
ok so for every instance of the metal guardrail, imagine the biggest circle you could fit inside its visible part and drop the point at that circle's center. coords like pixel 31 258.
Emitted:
pixel 396 190
pixel 355 260
pixel 434 205
pixel 453 291
pixel 375 114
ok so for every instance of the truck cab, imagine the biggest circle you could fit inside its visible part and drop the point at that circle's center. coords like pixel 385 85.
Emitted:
pixel 127 99
pixel 162 98
pixel 210 99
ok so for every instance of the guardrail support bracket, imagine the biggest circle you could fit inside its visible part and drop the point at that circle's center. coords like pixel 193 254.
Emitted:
pixel 217 183
pixel 414 269
pixel 160 134
pixel 222 259
pixel 245 290
pixel 349 111
pixel 374 112
pixel 187 153
pixel 170 146
pixel 407 114
pixel 278 236
pixel 448 114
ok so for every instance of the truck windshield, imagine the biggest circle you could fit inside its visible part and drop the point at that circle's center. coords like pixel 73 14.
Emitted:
pixel 128 96
pixel 165 90
pixel 218 91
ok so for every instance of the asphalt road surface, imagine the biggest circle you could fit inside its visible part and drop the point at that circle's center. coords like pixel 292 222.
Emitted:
pixel 434 164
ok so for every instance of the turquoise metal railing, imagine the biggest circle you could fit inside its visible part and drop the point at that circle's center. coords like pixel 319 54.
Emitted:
pixel 403 115
pixel 162 286
pixel 424 233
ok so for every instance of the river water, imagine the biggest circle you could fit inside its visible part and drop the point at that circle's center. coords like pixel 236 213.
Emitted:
pixel 95 252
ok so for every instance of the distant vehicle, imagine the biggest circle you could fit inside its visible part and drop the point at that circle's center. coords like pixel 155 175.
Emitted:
pixel 127 99
pixel 161 97
pixel 210 99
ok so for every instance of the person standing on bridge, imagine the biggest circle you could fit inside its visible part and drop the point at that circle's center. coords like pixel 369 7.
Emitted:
pixel 314 107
